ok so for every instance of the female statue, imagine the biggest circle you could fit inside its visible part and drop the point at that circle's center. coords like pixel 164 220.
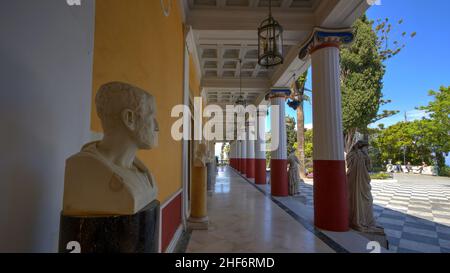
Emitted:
pixel 360 196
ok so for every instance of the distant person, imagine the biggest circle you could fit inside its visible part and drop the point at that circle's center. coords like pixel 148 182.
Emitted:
pixel 409 167
pixel 424 165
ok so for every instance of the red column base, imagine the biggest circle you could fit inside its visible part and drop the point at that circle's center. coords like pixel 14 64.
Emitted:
pixel 243 166
pixel 250 165
pixel 279 177
pixel 260 171
pixel 330 195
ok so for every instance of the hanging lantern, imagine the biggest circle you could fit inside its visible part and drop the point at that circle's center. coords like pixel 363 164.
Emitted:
pixel 270 41
pixel 240 101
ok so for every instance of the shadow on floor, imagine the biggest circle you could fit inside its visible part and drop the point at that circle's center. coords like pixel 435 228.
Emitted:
pixel 406 233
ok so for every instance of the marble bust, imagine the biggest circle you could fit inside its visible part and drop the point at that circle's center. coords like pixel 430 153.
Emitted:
pixel 106 178
pixel 360 197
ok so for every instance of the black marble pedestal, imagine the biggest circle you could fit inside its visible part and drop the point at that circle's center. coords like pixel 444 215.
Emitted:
pixel 136 233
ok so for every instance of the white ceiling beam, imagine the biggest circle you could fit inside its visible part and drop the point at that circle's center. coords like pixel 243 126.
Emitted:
pixel 252 43
pixel 291 65
pixel 247 19
pixel 233 83
pixel 286 3
pixel 340 13
pixel 192 49
pixel 330 13
pixel 220 61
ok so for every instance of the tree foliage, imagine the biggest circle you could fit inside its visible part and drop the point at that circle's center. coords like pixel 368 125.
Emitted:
pixel 308 149
pixel 438 124
pixel 291 135
pixel 362 72
pixel 426 140
pixel 403 139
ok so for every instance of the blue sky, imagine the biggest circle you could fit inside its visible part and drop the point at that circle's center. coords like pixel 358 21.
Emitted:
pixel 423 65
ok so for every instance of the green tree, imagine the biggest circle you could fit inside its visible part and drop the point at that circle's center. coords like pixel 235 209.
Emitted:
pixel 362 72
pixel 437 125
pixel 426 140
pixel 291 135
pixel 268 146
pixel 299 97
pixel 404 141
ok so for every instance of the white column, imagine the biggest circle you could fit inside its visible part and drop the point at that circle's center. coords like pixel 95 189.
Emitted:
pixel 278 162
pixel 330 181
pixel 231 156
pixel 260 146
pixel 243 156
pixel 238 155
pixel 327 104
pixel 260 143
pixel 250 162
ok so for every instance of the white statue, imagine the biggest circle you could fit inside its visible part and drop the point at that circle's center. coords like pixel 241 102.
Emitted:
pixel 201 154
pixel 294 175
pixel 360 196
pixel 106 177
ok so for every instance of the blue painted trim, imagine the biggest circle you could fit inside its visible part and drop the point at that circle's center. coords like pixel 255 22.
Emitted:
pixel 286 91
pixel 347 37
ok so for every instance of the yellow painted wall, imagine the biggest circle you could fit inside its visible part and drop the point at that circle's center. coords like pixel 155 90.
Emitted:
pixel 194 84
pixel 135 43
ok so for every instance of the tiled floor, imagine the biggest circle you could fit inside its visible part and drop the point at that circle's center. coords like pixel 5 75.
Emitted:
pixel 243 220
pixel 415 212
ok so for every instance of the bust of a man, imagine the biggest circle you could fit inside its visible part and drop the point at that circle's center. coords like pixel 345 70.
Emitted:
pixel 105 177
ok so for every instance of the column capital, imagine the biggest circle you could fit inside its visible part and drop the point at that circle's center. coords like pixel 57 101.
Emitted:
pixel 277 92
pixel 325 37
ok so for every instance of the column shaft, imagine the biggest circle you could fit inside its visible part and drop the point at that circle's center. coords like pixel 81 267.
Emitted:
pixel 250 171
pixel 199 216
pixel 232 155
pixel 244 157
pixel 260 154
pixel 238 155
pixel 330 189
pixel 278 162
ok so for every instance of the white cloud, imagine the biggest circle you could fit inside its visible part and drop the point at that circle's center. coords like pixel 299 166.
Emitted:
pixel 416 115
pixel 412 115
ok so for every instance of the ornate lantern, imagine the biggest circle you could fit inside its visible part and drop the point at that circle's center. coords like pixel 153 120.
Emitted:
pixel 240 100
pixel 270 41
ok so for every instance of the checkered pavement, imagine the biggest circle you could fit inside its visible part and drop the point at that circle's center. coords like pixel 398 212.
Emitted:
pixel 415 212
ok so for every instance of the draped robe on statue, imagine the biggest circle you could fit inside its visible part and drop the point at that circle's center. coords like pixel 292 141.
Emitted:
pixel 360 196
pixel 293 173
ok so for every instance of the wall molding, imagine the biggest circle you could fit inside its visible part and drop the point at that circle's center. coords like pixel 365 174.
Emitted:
pixel 162 206
pixel 175 239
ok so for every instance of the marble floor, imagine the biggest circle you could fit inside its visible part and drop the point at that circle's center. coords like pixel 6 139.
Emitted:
pixel 244 220
pixel 413 209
